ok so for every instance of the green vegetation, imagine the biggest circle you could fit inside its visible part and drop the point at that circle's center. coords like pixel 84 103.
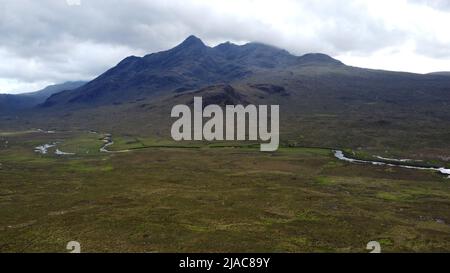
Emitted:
pixel 218 199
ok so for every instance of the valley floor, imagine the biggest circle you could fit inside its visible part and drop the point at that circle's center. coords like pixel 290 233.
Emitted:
pixel 209 198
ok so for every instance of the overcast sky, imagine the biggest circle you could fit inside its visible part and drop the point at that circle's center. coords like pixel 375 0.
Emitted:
pixel 52 41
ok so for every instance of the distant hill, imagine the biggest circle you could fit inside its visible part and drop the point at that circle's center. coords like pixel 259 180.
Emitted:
pixel 442 73
pixel 45 93
pixel 10 103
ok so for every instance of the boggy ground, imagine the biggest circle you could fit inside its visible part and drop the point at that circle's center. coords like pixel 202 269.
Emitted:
pixel 210 198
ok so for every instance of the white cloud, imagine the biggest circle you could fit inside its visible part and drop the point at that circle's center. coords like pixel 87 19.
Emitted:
pixel 49 41
pixel 15 86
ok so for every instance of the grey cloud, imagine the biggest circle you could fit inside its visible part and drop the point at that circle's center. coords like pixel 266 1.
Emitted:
pixel 48 40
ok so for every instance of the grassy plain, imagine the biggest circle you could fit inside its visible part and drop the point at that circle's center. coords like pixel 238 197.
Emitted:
pixel 198 198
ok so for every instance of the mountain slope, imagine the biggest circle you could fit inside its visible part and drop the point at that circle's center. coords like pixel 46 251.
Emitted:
pixel 12 103
pixel 45 93
pixel 441 73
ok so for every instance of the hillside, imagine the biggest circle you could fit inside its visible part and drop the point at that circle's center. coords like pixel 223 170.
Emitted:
pixel 45 93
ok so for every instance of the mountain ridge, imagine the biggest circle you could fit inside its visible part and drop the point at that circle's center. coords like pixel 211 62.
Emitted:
pixel 191 64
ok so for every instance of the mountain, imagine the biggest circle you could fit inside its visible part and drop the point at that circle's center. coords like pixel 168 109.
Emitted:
pixel 11 103
pixel 323 102
pixel 188 66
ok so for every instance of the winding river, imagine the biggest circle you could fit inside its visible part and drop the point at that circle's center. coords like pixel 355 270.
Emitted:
pixel 43 149
pixel 337 153
pixel 341 156
pixel 108 142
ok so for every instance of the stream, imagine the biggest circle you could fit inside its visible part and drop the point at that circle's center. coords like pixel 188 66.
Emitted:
pixel 401 163
pixel 340 155
pixel 108 142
